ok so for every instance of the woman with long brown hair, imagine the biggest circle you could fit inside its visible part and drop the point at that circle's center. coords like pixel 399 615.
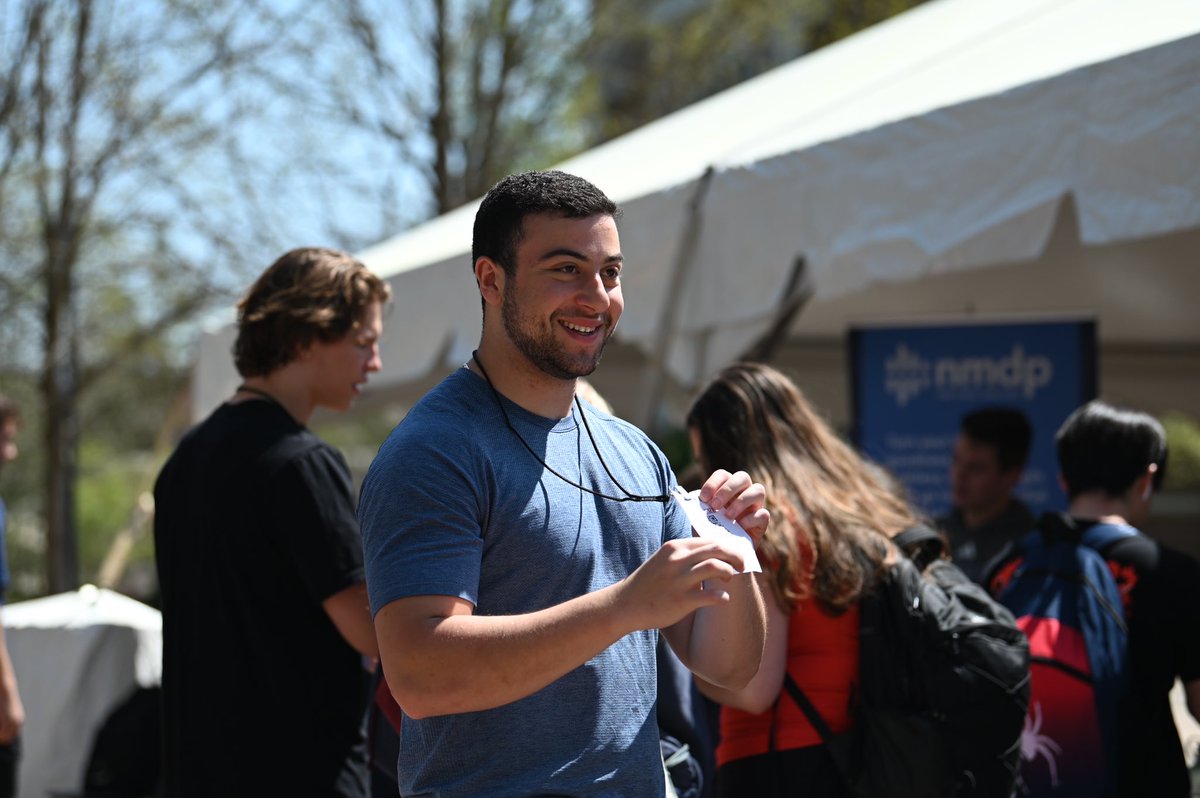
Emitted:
pixel 832 517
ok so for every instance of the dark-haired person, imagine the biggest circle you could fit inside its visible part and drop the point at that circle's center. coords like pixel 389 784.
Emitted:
pixel 12 711
pixel 1111 461
pixel 518 589
pixel 265 616
pixel 989 458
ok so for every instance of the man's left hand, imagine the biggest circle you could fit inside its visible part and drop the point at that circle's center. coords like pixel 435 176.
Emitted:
pixel 740 498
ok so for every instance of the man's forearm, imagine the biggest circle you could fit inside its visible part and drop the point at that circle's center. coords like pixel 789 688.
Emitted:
pixel 468 663
pixel 726 642
pixel 441 658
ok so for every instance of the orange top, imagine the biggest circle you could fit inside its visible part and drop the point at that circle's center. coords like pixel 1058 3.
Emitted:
pixel 822 658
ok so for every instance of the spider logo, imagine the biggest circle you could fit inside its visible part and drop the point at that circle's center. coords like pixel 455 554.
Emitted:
pixel 1034 743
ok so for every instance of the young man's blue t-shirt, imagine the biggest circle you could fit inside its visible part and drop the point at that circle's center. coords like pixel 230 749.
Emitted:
pixel 455 505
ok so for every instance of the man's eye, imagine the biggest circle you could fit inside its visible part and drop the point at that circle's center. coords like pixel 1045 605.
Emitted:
pixel 612 274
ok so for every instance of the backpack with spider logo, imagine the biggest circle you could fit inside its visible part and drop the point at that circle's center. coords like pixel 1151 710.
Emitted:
pixel 1066 600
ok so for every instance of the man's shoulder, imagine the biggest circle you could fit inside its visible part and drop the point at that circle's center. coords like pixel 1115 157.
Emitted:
pixel 638 453
pixel 254 436
pixel 618 429
pixel 447 423
pixel 1134 548
pixel 614 424
pixel 1150 557
pixel 454 408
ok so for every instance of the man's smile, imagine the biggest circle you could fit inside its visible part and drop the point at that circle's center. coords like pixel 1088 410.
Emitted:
pixel 581 328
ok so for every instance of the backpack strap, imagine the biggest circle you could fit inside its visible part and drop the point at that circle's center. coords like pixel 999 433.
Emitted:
pixel 1053 526
pixel 920 544
pixel 838 756
pixel 806 706
pixel 1101 536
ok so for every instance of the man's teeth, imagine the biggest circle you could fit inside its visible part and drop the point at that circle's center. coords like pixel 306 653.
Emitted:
pixel 577 328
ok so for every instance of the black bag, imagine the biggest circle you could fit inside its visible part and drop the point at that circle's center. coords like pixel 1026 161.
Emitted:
pixel 943 685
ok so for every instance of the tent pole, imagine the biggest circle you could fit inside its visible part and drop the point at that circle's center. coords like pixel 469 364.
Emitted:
pixel 796 294
pixel 655 376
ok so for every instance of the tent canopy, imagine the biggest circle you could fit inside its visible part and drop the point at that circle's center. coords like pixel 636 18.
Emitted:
pixel 926 156
pixel 76 656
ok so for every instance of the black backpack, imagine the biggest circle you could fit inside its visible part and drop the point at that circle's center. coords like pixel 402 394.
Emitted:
pixel 943 685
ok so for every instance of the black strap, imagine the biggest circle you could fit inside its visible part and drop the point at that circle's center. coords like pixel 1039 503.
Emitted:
pixel 837 756
pixel 920 544
pixel 806 706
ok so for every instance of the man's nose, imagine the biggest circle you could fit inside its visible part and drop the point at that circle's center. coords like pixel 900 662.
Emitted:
pixel 593 293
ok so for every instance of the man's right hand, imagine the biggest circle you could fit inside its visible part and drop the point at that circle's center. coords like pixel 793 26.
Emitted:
pixel 670 585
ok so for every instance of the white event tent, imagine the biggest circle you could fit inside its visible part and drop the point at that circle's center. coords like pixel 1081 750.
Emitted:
pixel 964 158
pixel 77 656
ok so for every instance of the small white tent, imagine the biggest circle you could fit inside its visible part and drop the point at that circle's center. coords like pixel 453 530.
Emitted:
pixel 76 656
pixel 966 156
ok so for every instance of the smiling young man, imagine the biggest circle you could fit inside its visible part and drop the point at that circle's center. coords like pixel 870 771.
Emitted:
pixel 521 549
pixel 265 616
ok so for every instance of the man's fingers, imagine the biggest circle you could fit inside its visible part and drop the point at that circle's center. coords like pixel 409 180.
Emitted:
pixel 756 523
pixel 712 485
pixel 746 502
pixel 698 550
pixel 713 568
pixel 734 493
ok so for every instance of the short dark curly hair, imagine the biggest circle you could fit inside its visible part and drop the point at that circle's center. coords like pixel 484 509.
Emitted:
pixel 308 294
pixel 499 220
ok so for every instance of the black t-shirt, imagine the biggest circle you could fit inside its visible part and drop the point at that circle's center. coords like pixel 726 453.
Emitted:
pixel 1160 588
pixel 254 527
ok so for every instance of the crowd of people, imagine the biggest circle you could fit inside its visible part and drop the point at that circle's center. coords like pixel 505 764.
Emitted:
pixel 519 563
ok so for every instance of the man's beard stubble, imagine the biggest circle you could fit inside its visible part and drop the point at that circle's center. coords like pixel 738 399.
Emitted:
pixel 540 347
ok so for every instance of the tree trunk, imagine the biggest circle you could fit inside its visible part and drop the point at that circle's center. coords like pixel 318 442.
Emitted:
pixel 440 125
pixel 60 439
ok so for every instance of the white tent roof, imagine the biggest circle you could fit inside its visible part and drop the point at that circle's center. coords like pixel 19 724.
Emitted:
pixel 941 140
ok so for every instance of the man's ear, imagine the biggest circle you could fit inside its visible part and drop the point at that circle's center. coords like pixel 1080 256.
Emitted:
pixel 489 276
pixel 1146 482
pixel 302 351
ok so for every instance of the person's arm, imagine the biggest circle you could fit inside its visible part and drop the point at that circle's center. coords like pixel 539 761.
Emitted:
pixel 439 658
pixel 12 711
pixel 313 501
pixel 351 614
pixel 1192 693
pixel 761 692
pixel 724 645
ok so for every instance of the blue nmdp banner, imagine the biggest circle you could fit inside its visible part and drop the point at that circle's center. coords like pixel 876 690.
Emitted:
pixel 911 384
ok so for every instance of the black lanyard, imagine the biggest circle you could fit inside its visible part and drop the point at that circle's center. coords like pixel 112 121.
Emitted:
pixel 629 497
